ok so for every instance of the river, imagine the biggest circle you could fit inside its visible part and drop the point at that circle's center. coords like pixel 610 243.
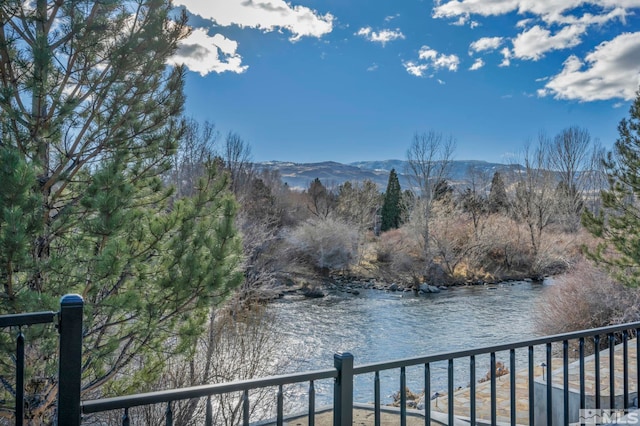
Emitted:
pixel 381 326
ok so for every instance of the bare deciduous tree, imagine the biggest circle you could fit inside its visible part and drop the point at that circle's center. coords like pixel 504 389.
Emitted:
pixel 196 148
pixel 534 201
pixel 237 160
pixel 321 201
pixel 358 203
pixel 474 199
pixel 429 158
pixel 239 345
pixel 571 154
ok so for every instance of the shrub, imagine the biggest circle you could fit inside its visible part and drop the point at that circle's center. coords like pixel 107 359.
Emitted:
pixel 326 244
pixel 503 248
pixel 585 297
pixel 400 253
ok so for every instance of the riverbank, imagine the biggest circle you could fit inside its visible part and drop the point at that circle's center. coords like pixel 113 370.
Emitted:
pixel 313 286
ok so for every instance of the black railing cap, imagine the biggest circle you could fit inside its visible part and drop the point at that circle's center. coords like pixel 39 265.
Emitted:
pixel 70 300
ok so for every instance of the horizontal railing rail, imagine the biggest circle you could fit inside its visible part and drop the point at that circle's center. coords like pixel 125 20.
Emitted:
pixel 20 320
pixel 538 341
pixel 122 402
pixel 170 396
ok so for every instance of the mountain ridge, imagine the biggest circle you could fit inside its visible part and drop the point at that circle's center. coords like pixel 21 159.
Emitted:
pixel 332 173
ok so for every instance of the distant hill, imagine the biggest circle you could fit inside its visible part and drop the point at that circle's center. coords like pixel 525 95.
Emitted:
pixel 332 174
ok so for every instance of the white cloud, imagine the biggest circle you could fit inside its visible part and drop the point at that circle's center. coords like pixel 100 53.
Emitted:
pixel 550 11
pixel 439 60
pixel 372 67
pixel 486 43
pixel 391 17
pixel 536 41
pixel 524 22
pixel 456 8
pixel 546 25
pixel 608 72
pixel 506 57
pixel 479 63
pixel 415 69
pixel 382 37
pixel 204 54
pixel 590 19
pixel 461 21
pixel 266 15
pixel 431 59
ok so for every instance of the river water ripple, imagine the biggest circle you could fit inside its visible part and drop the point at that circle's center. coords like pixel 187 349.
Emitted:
pixel 380 326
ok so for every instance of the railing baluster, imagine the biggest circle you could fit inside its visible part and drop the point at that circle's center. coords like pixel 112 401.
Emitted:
pixel 625 367
pixel 549 407
pixel 532 411
pixel 565 381
pixel 403 397
pixel 169 415
pixel 612 371
pixel 208 413
pixel 638 367
pixel 472 390
pixel 19 378
pixel 312 404
pixel 583 396
pixel 427 394
pixel 125 417
pixel 245 407
pixel 512 386
pixel 451 399
pixel 492 372
pixel 596 344
pixel 280 418
pixel 376 396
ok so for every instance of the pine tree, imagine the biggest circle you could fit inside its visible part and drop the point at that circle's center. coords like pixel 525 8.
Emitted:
pixel 498 201
pixel 618 224
pixel 91 120
pixel 391 212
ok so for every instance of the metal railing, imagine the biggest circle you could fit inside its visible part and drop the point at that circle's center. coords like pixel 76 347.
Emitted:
pixel 554 397
pixel 69 323
pixel 169 396
pixel 614 333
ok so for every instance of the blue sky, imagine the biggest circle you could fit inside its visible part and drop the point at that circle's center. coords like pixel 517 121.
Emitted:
pixel 351 80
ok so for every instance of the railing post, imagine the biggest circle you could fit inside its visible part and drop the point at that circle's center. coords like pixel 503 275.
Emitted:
pixel 343 389
pixel 70 361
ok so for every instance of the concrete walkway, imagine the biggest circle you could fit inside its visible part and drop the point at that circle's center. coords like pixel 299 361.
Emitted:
pixel 462 397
